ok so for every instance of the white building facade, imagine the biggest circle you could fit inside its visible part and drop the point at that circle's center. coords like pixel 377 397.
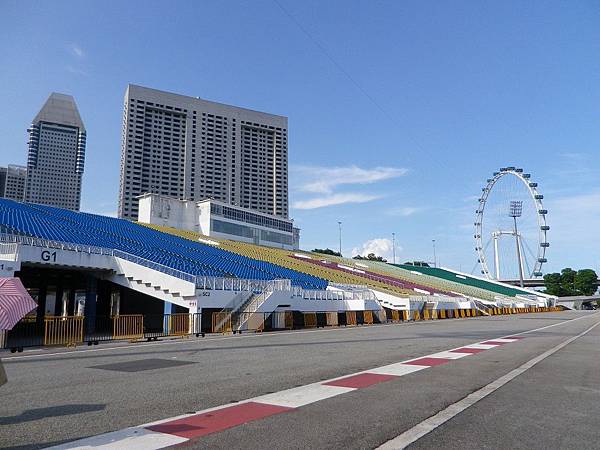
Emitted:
pixel 188 148
pixel 57 140
pixel 220 220
pixel 14 182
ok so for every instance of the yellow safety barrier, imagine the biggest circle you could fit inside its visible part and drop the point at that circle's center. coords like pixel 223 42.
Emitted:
pixel 434 313
pixel 473 313
pixel 350 317
pixel 289 320
pixel 178 324
pixel 416 316
pixel 368 317
pixel 405 315
pixel 426 314
pixel 249 322
pixel 221 322
pixel 310 320
pixel 129 326
pixel 395 315
pixel 63 330
pixel 455 314
pixel 332 319
pixel 443 314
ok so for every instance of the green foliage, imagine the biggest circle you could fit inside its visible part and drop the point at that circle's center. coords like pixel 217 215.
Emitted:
pixel 585 282
pixel 371 257
pixel 326 251
pixel 569 282
pixel 553 286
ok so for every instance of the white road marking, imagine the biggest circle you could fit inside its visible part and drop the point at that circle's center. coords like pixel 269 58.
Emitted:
pixel 397 369
pixel 136 438
pixel 480 346
pixel 141 438
pixel 449 355
pixel 175 341
pixel 303 395
pixel 428 425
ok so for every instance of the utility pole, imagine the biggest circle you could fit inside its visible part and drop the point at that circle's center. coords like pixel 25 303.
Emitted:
pixel 434 257
pixel 340 228
pixel 394 247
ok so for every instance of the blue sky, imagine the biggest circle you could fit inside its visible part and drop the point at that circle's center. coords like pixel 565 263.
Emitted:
pixel 398 111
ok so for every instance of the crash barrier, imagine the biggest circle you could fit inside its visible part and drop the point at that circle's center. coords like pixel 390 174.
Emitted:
pixel 332 319
pixel 63 330
pixel 73 330
pixel 221 322
pixel 128 326
pixel 351 318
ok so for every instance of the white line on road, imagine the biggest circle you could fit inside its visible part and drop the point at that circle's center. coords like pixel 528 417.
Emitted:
pixel 428 425
pixel 143 345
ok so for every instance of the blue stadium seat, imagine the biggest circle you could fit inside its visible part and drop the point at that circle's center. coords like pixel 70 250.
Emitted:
pixel 194 258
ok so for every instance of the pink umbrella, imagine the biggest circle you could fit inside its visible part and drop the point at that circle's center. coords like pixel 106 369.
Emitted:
pixel 15 302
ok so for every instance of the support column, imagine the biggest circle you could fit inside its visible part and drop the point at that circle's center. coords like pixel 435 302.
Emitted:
pixel 166 317
pixel 91 298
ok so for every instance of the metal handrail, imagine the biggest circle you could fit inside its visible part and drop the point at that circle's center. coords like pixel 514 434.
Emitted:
pixel 201 282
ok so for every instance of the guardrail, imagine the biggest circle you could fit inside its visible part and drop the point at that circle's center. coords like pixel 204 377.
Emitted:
pixel 358 292
pixel 73 330
pixel 63 330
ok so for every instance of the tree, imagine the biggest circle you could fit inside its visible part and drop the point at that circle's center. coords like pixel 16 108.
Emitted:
pixel 585 282
pixel 570 282
pixel 371 257
pixel 567 281
pixel 553 285
pixel 326 251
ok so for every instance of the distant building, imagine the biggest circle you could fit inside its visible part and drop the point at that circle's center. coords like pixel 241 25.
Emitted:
pixel 2 180
pixel 220 220
pixel 188 148
pixel 14 182
pixel 56 157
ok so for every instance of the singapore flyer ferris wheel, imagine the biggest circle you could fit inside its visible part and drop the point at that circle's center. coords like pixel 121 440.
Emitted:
pixel 511 231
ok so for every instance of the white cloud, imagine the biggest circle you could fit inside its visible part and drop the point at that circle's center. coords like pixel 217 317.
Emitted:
pixel 334 199
pixel 323 180
pixel 76 71
pixel 405 211
pixel 379 246
pixel 76 50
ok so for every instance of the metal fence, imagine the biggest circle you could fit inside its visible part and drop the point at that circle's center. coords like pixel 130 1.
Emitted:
pixel 76 330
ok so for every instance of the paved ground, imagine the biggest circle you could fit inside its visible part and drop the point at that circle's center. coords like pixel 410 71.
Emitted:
pixel 58 396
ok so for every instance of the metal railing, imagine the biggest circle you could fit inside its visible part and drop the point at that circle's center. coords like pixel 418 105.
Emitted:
pixel 7 249
pixel 355 292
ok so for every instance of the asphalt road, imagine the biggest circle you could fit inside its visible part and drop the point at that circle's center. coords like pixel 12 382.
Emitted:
pixel 58 396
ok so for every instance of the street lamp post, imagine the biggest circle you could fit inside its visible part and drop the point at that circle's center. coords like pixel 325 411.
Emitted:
pixel 394 247
pixel 340 229
pixel 434 257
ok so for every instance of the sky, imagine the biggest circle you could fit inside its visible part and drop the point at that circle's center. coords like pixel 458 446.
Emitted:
pixel 398 111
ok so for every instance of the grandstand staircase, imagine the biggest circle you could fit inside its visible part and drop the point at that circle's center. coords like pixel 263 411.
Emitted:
pixel 481 307
pixel 152 282
pixel 239 312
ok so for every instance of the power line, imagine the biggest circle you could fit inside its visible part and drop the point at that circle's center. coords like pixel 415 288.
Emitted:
pixel 344 71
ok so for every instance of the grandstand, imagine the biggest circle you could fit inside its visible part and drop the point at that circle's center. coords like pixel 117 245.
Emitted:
pixel 467 280
pixel 126 273
pixel 393 279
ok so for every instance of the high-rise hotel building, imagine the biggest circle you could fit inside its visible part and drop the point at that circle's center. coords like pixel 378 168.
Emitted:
pixel 193 149
pixel 56 156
